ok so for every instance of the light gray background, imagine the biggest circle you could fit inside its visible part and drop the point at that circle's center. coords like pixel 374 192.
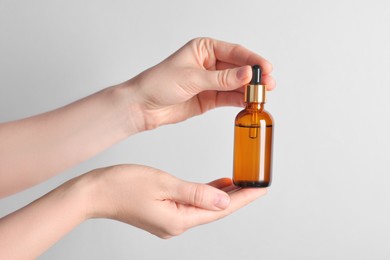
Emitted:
pixel 329 198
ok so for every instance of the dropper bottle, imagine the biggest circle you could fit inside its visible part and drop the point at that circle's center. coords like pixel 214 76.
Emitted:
pixel 253 137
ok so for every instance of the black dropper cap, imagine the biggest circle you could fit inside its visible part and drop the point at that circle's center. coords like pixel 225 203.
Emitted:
pixel 256 75
pixel 254 91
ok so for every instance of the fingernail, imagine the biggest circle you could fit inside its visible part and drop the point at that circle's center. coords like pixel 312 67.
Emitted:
pixel 242 73
pixel 222 201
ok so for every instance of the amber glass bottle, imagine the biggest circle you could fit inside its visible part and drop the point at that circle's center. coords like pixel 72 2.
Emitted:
pixel 252 164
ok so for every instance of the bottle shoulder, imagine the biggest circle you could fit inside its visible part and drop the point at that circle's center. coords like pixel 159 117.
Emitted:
pixel 250 117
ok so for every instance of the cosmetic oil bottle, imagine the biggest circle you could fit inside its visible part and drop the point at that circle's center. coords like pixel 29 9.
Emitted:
pixel 252 164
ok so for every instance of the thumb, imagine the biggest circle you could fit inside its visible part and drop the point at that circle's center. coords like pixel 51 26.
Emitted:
pixel 200 195
pixel 227 79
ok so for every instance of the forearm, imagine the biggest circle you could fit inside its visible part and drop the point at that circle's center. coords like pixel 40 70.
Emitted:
pixel 36 148
pixel 28 232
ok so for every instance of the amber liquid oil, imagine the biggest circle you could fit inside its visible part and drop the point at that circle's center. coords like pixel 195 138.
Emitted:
pixel 252 163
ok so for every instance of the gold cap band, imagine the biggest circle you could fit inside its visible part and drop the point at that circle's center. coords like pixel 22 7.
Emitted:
pixel 255 93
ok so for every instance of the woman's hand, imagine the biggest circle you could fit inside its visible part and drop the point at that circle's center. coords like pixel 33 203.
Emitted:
pixel 203 74
pixel 160 203
pixel 137 195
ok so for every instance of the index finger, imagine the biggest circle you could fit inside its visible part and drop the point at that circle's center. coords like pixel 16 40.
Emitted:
pixel 239 55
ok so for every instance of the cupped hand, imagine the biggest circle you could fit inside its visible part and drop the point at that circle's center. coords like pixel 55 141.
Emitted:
pixel 203 74
pixel 161 203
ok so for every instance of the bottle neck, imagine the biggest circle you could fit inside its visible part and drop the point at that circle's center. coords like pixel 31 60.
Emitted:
pixel 255 106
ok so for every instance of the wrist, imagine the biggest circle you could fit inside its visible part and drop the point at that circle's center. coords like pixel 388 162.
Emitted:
pixel 125 94
pixel 80 192
pixel 97 198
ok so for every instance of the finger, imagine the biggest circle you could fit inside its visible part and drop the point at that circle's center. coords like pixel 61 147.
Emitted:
pixel 200 195
pixel 221 65
pixel 232 188
pixel 267 79
pixel 225 184
pixel 239 55
pixel 238 200
pixel 224 80
pixel 221 183
pixel 229 79
pixel 232 98
pixel 241 198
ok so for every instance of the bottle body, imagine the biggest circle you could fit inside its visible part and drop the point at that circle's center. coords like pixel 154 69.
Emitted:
pixel 253 141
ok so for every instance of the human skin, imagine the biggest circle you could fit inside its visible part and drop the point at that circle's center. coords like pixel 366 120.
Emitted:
pixel 202 75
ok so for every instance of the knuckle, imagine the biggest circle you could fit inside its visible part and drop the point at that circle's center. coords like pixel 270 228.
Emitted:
pixel 223 78
pixel 197 195
pixel 203 47
pixel 190 87
pixel 202 40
